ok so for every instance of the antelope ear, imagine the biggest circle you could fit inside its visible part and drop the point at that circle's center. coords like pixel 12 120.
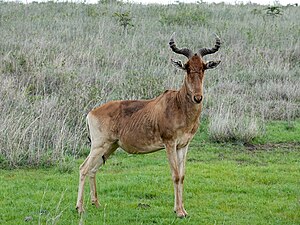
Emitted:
pixel 212 64
pixel 178 64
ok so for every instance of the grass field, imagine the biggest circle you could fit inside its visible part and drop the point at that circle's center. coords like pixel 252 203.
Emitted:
pixel 59 60
pixel 225 184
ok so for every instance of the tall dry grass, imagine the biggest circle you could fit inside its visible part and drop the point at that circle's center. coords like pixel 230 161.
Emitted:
pixel 59 60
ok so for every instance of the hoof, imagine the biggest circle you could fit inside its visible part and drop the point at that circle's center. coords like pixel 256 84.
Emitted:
pixel 79 209
pixel 96 203
pixel 181 214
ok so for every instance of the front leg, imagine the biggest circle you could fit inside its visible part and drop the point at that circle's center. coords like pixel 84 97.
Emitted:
pixel 177 178
pixel 181 156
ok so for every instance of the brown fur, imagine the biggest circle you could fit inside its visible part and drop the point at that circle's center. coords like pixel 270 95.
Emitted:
pixel 142 126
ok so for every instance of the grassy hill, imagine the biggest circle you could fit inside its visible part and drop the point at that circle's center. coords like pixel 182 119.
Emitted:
pixel 59 60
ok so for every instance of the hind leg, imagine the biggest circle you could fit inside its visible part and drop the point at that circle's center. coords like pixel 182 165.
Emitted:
pixel 89 167
pixel 98 158
pixel 82 175
pixel 95 162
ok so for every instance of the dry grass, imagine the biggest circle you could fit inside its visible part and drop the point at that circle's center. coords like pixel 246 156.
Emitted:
pixel 58 60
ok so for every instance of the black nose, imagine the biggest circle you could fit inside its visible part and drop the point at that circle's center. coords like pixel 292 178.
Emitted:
pixel 198 99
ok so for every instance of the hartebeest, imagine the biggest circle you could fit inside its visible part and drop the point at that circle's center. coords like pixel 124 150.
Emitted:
pixel 142 126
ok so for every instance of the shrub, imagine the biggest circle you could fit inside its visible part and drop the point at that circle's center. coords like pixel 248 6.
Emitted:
pixel 227 125
pixel 124 20
pixel 274 11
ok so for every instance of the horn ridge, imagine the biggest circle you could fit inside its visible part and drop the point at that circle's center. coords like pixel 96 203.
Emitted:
pixel 183 51
pixel 206 51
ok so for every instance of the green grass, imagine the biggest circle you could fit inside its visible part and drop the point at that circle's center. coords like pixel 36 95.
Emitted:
pixel 281 131
pixel 225 184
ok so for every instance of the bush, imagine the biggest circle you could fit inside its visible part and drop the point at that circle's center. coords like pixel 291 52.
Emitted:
pixel 233 126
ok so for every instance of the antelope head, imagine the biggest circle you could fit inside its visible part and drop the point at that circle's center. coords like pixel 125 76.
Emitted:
pixel 195 67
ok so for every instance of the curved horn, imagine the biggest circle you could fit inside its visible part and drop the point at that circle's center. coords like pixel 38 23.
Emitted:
pixel 183 51
pixel 206 51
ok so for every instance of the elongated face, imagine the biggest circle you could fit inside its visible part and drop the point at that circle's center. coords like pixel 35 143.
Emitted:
pixel 194 78
pixel 195 67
